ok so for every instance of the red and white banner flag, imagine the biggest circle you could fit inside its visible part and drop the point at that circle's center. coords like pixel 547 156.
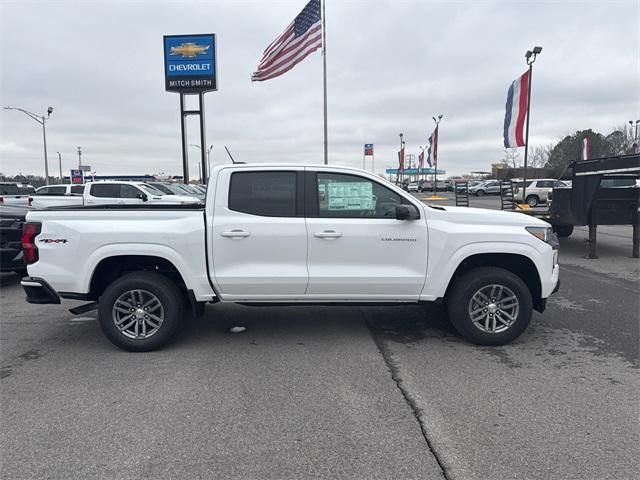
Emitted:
pixel 516 112
pixel 401 160
pixel 585 148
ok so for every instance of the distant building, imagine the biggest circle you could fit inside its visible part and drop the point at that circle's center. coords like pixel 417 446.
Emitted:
pixel 502 171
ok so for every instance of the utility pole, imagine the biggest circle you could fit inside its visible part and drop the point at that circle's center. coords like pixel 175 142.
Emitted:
pixel 80 158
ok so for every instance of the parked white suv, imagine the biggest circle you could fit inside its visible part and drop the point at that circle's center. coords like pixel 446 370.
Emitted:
pixel 537 190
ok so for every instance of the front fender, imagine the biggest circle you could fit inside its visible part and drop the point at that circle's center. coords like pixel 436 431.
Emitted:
pixel 440 271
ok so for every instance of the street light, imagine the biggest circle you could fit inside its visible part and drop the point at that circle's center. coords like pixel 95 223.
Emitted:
pixel 208 156
pixel 634 125
pixel 41 120
pixel 60 165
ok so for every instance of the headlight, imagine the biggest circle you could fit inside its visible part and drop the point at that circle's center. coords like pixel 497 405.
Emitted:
pixel 545 234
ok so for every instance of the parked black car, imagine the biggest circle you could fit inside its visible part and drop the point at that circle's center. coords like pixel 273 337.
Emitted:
pixel 11 219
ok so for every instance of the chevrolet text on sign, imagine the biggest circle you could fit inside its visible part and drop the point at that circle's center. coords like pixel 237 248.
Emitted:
pixel 190 63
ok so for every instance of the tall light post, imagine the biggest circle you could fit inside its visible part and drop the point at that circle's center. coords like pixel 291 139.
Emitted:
pixel 80 158
pixel 41 119
pixel 208 160
pixel 60 165
pixel 531 58
pixel 634 125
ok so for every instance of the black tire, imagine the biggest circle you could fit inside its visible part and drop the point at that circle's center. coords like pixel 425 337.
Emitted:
pixel 480 193
pixel 532 200
pixel 165 291
pixel 563 231
pixel 459 301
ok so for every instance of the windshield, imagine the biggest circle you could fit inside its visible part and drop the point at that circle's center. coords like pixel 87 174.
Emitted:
pixel 162 188
pixel 150 189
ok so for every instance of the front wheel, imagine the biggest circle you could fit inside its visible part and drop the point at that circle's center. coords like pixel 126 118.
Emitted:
pixel 141 311
pixel 480 193
pixel 490 306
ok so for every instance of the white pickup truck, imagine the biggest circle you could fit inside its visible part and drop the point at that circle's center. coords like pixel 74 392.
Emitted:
pixel 104 192
pixel 286 234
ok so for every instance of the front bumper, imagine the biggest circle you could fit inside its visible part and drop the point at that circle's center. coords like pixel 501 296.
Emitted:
pixel 39 291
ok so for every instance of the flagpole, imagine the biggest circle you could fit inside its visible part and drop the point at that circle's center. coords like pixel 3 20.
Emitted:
pixel 324 76
pixel 526 137
pixel 531 58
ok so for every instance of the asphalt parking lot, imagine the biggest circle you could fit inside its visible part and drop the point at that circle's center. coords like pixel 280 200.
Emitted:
pixel 334 392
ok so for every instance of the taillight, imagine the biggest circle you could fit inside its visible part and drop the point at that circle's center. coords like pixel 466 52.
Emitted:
pixel 29 249
pixel 1 200
pixel 30 201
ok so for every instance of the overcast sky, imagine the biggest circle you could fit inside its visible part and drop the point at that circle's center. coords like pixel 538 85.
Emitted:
pixel 391 66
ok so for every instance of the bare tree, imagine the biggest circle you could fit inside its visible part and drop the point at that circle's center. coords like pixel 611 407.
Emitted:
pixel 511 157
pixel 539 156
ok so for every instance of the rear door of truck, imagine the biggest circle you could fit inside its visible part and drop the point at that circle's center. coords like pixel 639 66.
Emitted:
pixel 259 238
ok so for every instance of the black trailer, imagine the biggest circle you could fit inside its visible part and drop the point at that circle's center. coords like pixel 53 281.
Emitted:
pixel 604 191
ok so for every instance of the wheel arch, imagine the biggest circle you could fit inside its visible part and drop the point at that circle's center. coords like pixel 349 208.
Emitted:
pixel 518 264
pixel 113 267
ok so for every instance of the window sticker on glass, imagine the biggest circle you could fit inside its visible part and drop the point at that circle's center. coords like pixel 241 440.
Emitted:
pixel 349 195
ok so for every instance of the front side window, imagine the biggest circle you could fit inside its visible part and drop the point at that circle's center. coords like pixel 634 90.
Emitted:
pixel 545 184
pixel 351 196
pixel 129 191
pixel 268 194
pixel 105 190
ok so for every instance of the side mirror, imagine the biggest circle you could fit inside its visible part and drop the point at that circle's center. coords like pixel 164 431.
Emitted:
pixel 143 197
pixel 406 212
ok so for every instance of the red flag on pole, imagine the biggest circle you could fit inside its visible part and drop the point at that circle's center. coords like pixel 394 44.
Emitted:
pixel 401 159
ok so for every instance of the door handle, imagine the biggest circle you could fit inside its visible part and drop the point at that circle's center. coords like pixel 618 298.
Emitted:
pixel 328 234
pixel 235 233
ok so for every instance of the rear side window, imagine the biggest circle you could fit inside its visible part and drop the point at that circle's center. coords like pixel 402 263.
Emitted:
pixel 545 184
pixel 77 189
pixel 105 190
pixel 268 194
pixel 26 190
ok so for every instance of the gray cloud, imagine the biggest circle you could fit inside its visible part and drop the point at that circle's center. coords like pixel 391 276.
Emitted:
pixel 391 66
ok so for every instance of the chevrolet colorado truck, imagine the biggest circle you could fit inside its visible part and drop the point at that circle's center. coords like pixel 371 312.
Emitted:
pixel 286 234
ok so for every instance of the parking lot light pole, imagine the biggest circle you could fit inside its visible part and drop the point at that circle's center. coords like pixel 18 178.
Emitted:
pixel 208 158
pixel 531 57
pixel 41 119
pixel 60 165
pixel 634 125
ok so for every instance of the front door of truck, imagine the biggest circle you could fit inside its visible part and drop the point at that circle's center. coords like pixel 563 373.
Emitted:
pixel 357 248
pixel 259 237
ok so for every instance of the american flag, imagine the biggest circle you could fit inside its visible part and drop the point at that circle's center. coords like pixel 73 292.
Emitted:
pixel 302 37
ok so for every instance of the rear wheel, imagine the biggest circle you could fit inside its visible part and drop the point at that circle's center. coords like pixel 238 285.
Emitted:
pixel 141 311
pixel 490 306
pixel 533 200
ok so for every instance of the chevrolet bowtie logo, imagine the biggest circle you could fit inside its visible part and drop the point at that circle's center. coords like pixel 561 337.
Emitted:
pixel 189 50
